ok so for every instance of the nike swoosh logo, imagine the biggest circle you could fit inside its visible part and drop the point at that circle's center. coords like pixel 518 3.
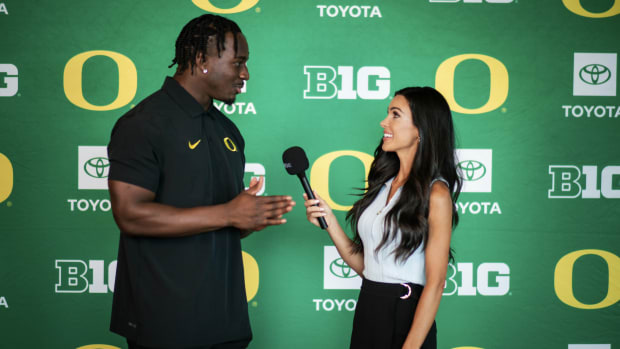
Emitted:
pixel 193 146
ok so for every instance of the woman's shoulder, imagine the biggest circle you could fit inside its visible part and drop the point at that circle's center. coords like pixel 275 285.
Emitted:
pixel 440 193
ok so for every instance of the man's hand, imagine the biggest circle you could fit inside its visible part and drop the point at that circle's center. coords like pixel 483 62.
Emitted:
pixel 250 212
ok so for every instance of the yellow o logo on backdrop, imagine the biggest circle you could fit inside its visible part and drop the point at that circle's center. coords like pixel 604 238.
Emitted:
pixel 444 82
pixel 244 5
pixel 6 177
pixel 563 279
pixel 127 80
pixel 250 267
pixel 319 174
pixel 574 6
pixel 98 346
pixel 467 348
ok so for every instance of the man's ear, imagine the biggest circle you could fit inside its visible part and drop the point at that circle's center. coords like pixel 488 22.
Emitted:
pixel 201 60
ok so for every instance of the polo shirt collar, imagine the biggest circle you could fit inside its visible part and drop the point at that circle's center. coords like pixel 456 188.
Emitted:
pixel 180 96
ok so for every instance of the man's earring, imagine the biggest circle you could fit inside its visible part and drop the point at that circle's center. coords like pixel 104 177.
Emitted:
pixel 204 71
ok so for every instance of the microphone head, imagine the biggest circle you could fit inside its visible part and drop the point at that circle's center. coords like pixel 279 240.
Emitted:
pixel 295 160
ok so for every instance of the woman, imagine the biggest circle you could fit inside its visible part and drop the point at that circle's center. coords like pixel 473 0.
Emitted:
pixel 402 223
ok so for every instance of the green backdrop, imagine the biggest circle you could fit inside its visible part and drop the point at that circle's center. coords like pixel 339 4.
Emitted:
pixel 532 86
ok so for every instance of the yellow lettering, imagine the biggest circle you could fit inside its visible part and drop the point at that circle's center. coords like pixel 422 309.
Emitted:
pixel 563 279
pixel 127 80
pixel 244 5
pixel 97 346
pixel 575 7
pixel 250 267
pixel 6 177
pixel 444 82
pixel 319 174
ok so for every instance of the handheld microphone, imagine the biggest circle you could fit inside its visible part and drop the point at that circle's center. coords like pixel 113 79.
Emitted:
pixel 296 163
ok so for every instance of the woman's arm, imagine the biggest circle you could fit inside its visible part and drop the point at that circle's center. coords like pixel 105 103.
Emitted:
pixel 343 243
pixel 437 253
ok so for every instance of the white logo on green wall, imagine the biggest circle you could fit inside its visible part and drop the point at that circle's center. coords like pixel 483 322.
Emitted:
pixel 341 269
pixel 93 167
pixel 475 167
pixel 595 74
pixel 472 170
pixel 97 167
pixel 337 275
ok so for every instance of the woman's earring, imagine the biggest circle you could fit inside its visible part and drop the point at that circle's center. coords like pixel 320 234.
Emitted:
pixel 204 71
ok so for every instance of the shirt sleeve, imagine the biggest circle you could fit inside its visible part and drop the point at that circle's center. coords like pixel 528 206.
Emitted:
pixel 132 153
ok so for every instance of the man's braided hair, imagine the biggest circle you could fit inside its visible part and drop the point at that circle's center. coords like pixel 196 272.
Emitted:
pixel 194 39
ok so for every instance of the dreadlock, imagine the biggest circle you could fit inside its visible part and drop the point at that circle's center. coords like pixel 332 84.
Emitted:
pixel 194 39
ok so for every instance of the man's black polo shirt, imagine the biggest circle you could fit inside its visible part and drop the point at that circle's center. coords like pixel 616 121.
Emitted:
pixel 188 291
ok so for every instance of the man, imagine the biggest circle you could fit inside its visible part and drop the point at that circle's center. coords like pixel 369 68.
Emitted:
pixel 177 193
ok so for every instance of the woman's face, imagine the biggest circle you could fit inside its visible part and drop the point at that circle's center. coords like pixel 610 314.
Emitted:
pixel 400 135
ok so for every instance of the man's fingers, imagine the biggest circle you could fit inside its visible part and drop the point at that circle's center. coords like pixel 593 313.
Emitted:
pixel 256 184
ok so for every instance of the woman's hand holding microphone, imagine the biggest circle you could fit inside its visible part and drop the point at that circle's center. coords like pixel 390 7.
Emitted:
pixel 313 212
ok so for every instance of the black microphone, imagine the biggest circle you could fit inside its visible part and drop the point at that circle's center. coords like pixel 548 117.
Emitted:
pixel 296 163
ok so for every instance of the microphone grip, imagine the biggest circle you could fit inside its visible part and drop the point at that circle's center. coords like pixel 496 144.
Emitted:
pixel 308 190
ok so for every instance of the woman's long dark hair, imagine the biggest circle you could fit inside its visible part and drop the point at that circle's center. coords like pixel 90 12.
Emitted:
pixel 435 158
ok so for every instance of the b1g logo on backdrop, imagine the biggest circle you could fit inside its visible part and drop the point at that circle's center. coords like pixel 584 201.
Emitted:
pixel 352 11
pixel 567 182
pixel 337 275
pixel 78 276
pixel 253 170
pixel 492 279
pixel 594 74
pixel 576 7
pixel 242 6
pixel 10 81
pixel 326 82
pixel 564 283
pixel 475 167
pixel 93 167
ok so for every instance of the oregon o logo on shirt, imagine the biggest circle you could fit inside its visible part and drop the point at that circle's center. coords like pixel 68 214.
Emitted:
pixel 230 144
pixel 244 5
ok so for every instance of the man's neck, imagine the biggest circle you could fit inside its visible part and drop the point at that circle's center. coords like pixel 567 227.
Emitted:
pixel 192 85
